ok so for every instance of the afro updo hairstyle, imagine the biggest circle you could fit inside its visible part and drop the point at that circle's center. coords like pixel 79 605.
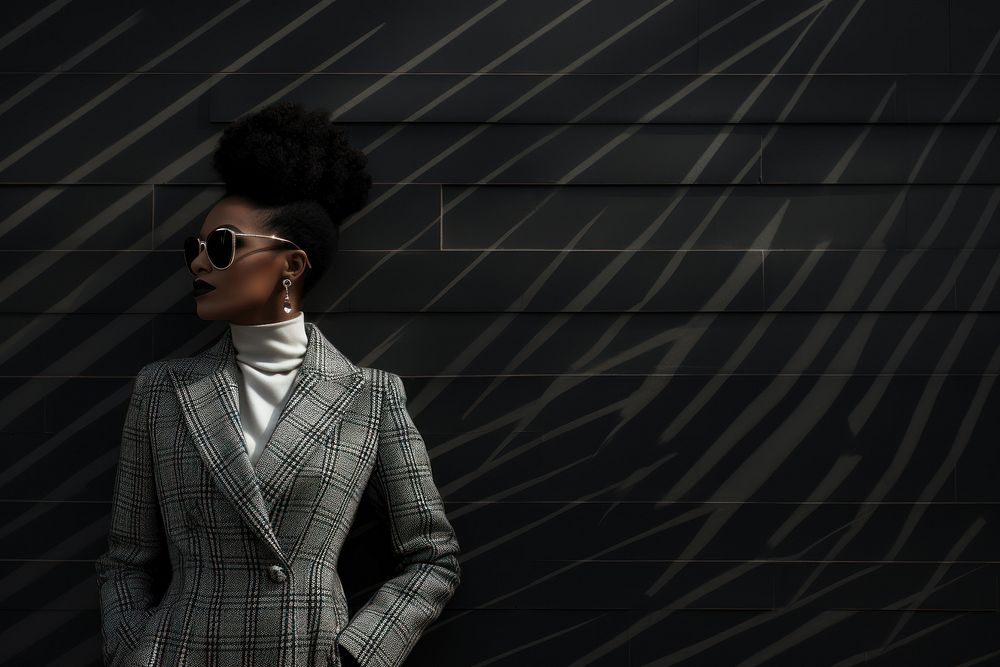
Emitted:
pixel 299 169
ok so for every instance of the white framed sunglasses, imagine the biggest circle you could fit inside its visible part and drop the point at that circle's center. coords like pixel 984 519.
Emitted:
pixel 220 244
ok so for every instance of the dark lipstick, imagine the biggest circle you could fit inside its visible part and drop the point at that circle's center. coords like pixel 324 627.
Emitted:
pixel 201 287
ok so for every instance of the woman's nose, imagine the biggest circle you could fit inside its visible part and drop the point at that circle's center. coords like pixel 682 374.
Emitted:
pixel 200 264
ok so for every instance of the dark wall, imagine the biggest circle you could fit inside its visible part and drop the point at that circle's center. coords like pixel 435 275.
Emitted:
pixel 695 302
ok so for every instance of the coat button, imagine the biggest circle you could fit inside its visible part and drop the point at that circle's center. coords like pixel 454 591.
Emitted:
pixel 277 573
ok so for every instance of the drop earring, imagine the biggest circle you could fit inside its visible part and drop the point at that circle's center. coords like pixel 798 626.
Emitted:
pixel 288 304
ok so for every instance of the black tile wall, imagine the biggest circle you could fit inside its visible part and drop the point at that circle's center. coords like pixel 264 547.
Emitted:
pixel 696 303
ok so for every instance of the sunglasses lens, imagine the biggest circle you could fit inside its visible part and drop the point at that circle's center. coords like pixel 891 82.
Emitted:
pixel 220 246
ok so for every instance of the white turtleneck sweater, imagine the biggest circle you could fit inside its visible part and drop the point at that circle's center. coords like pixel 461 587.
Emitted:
pixel 269 356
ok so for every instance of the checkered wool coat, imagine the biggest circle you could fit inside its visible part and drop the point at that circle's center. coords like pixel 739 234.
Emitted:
pixel 253 548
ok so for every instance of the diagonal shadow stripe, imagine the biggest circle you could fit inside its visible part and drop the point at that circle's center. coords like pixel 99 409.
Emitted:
pixel 39 82
pixel 539 404
pixel 421 399
pixel 866 655
pixel 116 331
pixel 24 632
pixel 818 624
pixel 417 402
pixel 732 286
pixel 108 92
pixel 33 21
pixel 856 526
pixel 513 416
pixel 762 462
pixel 728 633
pixel 991 656
pixel 841 165
pixel 934 580
pixel 912 436
pixel 472 134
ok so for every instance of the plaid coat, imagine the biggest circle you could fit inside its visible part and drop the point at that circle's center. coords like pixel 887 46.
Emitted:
pixel 253 548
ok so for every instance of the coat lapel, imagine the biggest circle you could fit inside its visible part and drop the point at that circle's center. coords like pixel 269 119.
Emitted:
pixel 209 398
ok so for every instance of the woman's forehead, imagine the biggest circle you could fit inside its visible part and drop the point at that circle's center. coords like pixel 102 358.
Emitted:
pixel 234 213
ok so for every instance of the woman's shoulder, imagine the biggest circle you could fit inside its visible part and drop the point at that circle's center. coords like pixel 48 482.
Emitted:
pixel 149 376
pixel 381 378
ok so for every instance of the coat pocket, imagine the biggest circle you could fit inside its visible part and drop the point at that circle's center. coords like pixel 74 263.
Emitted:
pixel 333 623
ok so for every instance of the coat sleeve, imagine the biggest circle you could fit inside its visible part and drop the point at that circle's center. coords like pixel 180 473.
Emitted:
pixel 125 572
pixel 383 631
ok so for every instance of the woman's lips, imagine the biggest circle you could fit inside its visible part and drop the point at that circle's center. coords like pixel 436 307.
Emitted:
pixel 201 287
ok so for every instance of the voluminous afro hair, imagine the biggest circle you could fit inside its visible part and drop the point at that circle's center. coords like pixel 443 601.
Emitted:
pixel 296 164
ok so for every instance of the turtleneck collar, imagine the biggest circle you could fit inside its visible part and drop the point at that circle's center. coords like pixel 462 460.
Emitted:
pixel 275 347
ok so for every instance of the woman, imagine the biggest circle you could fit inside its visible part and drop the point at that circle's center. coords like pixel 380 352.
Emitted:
pixel 243 466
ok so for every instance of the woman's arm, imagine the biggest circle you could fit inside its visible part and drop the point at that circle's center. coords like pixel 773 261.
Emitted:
pixel 125 571
pixel 382 633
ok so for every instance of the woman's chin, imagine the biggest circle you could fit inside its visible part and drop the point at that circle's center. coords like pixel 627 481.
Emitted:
pixel 206 312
